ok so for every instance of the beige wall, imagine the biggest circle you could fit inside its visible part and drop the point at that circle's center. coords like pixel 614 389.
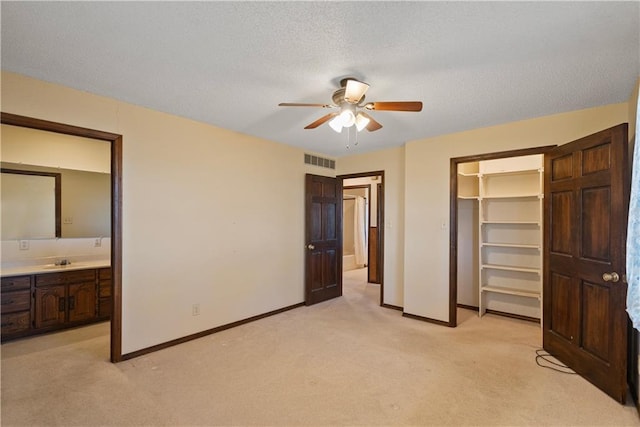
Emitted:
pixel 348 219
pixel 56 150
pixel 210 216
pixel 348 213
pixel 426 263
pixel 189 236
pixel 391 161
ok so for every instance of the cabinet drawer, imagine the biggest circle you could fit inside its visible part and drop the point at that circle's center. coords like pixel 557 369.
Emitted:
pixel 105 288
pixel 104 273
pixel 15 322
pixel 65 277
pixel 16 301
pixel 15 283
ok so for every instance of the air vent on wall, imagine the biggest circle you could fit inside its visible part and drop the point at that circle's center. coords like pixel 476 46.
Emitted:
pixel 310 159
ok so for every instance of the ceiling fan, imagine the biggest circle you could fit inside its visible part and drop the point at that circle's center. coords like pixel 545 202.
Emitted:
pixel 349 100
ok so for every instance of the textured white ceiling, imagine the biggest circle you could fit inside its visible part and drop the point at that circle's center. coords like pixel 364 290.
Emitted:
pixel 473 64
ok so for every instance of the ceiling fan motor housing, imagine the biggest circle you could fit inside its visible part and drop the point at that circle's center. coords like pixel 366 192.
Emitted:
pixel 339 98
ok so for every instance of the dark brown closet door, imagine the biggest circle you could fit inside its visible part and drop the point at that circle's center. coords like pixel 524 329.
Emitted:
pixel 584 321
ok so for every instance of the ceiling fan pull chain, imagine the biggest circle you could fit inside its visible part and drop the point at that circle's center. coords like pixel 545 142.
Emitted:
pixel 348 137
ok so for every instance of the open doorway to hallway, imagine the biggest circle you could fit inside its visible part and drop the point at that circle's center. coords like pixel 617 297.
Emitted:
pixel 363 234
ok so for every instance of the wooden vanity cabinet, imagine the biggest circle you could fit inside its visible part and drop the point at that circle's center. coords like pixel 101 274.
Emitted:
pixel 16 305
pixel 37 303
pixel 104 293
pixel 65 298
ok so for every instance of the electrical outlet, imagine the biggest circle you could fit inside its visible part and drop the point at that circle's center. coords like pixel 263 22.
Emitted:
pixel 195 310
pixel 24 245
pixel 98 242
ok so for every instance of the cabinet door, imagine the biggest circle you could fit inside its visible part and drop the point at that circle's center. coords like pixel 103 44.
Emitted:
pixel 50 306
pixel 82 301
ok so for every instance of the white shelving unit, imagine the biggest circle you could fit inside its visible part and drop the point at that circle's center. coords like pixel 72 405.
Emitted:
pixel 468 185
pixel 468 193
pixel 509 197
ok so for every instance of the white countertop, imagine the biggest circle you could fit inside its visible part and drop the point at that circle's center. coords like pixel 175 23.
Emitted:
pixel 51 268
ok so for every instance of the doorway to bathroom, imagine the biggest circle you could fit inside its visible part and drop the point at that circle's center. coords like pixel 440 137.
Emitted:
pixel 108 290
pixel 363 226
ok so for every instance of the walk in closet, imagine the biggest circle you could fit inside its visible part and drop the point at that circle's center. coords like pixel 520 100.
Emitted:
pixel 500 215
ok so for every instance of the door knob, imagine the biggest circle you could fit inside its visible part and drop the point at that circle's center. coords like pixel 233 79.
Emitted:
pixel 610 277
pixel 310 246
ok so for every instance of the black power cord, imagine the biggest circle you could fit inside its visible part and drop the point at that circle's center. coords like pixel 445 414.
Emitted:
pixel 544 357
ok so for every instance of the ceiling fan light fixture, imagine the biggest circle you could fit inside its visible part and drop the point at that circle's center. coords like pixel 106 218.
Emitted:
pixel 348 118
pixel 336 124
pixel 354 91
pixel 361 121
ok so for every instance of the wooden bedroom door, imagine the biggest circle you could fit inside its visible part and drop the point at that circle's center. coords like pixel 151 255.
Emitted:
pixel 586 196
pixel 323 238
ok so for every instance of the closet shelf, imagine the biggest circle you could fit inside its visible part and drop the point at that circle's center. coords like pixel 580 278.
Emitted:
pixel 468 174
pixel 510 268
pixel 511 291
pixel 513 196
pixel 511 245
pixel 512 172
pixel 468 197
pixel 505 221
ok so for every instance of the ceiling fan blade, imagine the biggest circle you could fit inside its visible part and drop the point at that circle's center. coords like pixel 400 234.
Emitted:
pixel 321 120
pixel 297 104
pixel 372 125
pixel 395 106
pixel 354 91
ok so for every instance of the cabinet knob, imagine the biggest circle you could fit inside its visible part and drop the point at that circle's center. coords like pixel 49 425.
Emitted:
pixel 310 246
pixel 611 277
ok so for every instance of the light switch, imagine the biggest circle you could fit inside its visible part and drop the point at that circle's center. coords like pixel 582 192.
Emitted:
pixel 68 220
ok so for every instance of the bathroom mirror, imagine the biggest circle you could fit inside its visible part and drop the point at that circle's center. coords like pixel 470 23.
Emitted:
pixel 30 204
pixel 80 205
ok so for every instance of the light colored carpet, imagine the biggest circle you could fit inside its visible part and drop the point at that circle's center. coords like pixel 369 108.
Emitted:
pixel 342 362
